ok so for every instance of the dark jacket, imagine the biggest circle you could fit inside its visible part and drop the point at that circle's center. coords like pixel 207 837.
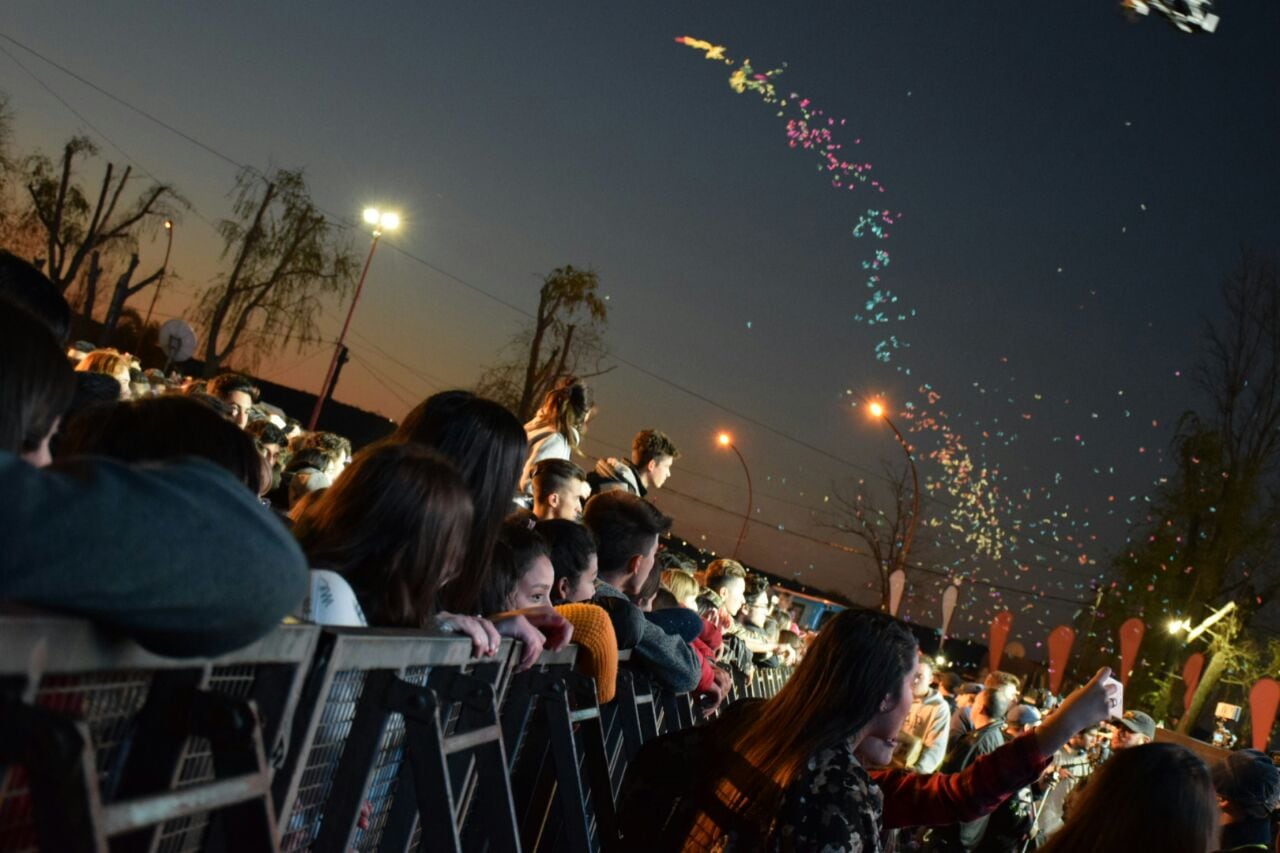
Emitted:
pixel 667 658
pixel 181 557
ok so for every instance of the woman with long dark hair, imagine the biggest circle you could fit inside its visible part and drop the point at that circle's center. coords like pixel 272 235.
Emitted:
pixel 781 775
pixel 1158 796
pixel 383 540
pixel 36 385
pixel 487 445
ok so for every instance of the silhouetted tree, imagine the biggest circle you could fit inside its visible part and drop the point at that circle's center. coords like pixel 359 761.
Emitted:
pixel 286 258
pixel 565 338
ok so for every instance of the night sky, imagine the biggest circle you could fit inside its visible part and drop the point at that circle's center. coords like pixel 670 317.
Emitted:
pixel 1068 189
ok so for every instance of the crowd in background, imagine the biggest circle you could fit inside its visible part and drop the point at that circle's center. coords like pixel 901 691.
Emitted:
pixel 194 516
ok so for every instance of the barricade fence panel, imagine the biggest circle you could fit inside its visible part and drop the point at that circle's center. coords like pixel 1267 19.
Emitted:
pixel 316 739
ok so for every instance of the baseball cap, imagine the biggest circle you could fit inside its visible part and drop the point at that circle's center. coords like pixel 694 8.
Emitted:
pixel 1138 723
pixel 1023 715
pixel 1248 779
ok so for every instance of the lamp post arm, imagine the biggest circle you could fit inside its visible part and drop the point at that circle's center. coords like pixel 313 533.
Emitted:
pixel 325 389
pixel 750 499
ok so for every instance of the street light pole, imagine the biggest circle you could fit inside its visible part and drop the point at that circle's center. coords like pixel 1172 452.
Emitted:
pixel 164 269
pixel 379 220
pixel 726 441
pixel 878 411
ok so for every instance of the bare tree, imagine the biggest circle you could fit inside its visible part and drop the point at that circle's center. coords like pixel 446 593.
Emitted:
pixel 75 228
pixel 880 525
pixel 286 259
pixel 565 338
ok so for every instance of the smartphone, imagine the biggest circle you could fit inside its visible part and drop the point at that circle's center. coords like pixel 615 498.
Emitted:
pixel 1115 697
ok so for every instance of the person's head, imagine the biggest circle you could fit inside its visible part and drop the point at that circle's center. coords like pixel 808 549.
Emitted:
pixel 1248 786
pixel 488 446
pixel 338 447
pixel 992 706
pixel 1133 729
pixel 522 574
pixel 270 438
pixel 853 686
pixel 37 385
pixel 236 391
pixel 683 585
pixel 627 530
pixel 652 453
pixel 395 526
pixel 572 548
pixel 566 409
pixel 644 597
pixel 756 609
pixel 1005 682
pixel 139 387
pixel 111 363
pixel 1153 797
pixel 1083 740
pixel 923 682
pixel 160 428
pixel 1020 719
pixel 24 286
pixel 969 693
pixel 728 578
pixel 559 489
pixel 949 684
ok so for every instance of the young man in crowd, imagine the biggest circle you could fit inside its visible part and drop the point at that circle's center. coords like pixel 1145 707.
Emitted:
pixel 1248 786
pixel 1133 729
pixel 728 579
pixel 1006 683
pixel 987 717
pixel 627 529
pixel 559 490
pixel 648 468
pixel 929 718
pixel 949 684
pixel 236 391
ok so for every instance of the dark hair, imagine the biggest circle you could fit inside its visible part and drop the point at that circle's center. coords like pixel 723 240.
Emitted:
pixel 756 587
pixel 312 457
pixel 623 525
pixel 663 599
pixel 395 526
pixel 267 433
pixel 652 583
pixel 228 383
pixel 721 571
pixel 325 441
pixel 858 660
pixel 518 545
pixel 570 546
pixel 552 475
pixel 951 681
pixel 996 703
pixel 36 383
pixel 159 428
pixel 649 444
pixel 23 285
pixel 488 446
pixel 210 402
pixel 1170 805
pixel 92 389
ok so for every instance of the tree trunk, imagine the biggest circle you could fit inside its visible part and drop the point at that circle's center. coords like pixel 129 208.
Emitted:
pixel 91 288
pixel 212 358
pixel 1208 683
pixel 535 350
pixel 121 292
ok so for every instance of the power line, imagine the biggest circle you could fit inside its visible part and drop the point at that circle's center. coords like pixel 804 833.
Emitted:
pixel 343 222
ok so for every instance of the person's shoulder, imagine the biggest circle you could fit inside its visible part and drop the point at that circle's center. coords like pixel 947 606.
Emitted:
pixel 333 602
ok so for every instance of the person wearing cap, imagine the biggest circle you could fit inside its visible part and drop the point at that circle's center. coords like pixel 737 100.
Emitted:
pixel 1248 787
pixel 1133 729
pixel 1020 719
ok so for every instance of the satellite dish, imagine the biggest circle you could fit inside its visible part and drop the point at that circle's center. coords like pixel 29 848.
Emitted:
pixel 178 341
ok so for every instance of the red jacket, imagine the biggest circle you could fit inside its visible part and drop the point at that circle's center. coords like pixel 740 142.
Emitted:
pixel 707 644
pixel 915 799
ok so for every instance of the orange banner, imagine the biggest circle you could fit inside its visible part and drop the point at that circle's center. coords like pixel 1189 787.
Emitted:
pixel 1264 698
pixel 1130 639
pixel 1060 641
pixel 999 636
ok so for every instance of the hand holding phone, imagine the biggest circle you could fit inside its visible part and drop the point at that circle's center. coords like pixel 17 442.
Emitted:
pixel 1115 697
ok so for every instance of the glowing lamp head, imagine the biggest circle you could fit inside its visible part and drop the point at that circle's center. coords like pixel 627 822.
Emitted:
pixel 876 410
pixel 168 225
pixel 725 439
pixel 389 221
pixel 371 215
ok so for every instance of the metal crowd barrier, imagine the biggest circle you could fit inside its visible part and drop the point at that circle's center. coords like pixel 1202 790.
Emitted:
pixel 314 739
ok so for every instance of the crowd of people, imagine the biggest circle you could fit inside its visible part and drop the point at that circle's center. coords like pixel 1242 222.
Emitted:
pixel 195 517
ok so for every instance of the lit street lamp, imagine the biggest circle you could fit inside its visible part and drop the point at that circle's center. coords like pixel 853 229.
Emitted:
pixel 381 220
pixel 726 440
pixel 877 411
pixel 164 268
